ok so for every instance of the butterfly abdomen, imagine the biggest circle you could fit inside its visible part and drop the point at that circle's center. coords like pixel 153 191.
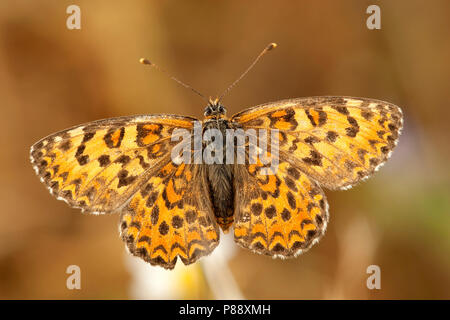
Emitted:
pixel 220 178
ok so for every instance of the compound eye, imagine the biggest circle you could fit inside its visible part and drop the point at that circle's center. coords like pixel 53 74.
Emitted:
pixel 208 111
pixel 221 109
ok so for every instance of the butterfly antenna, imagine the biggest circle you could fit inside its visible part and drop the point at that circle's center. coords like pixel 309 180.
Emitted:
pixel 151 64
pixel 266 49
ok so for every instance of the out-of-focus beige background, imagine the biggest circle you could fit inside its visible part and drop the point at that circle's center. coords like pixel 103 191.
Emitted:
pixel 52 78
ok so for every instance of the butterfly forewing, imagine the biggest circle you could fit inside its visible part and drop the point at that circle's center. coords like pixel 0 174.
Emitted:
pixel 337 141
pixel 98 166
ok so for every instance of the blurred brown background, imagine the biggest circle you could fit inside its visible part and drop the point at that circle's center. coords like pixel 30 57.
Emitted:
pixel 52 78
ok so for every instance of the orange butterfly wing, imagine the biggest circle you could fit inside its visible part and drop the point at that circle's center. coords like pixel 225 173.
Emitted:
pixel 333 142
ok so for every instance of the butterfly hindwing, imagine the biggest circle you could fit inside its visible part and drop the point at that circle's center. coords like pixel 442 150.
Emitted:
pixel 281 214
pixel 171 217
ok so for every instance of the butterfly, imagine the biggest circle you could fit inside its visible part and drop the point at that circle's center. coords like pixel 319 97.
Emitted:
pixel 171 209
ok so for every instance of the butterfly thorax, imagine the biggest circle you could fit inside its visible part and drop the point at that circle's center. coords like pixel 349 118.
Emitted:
pixel 219 175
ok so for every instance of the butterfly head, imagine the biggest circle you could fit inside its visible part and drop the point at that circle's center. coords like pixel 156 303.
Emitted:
pixel 214 109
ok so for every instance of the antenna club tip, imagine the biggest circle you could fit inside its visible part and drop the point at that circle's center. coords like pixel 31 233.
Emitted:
pixel 271 46
pixel 145 61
